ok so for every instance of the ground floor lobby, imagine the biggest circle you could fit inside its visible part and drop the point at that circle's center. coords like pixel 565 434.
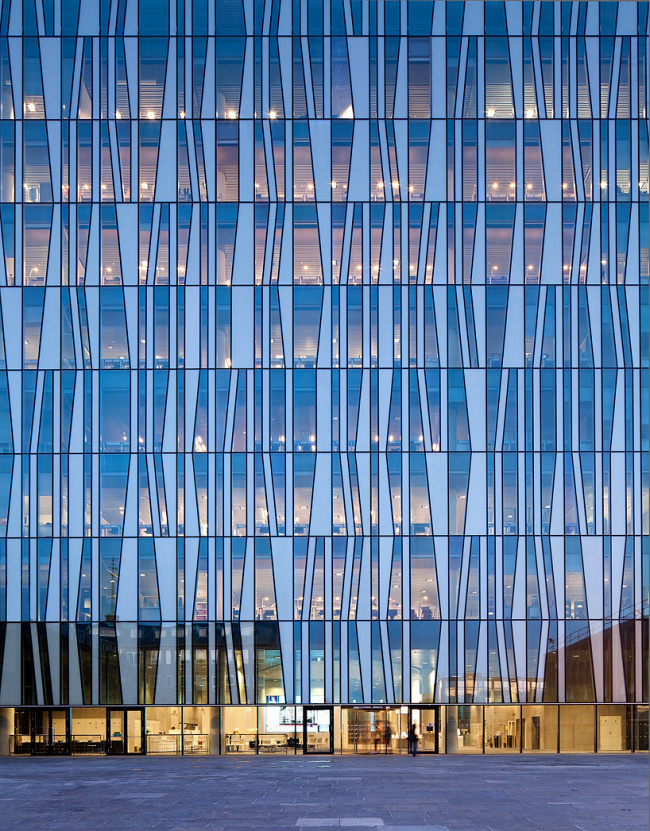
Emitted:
pixel 277 730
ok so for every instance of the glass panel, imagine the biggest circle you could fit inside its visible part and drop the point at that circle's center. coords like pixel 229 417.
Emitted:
pixel 425 721
pixel 200 729
pixel 502 727
pixel 465 729
pixel 381 733
pixel 42 731
pixel 88 730
pixel 614 725
pixel 299 731
pixel 425 638
pixel 58 738
pixel 400 735
pixel 364 731
pixel 349 732
pixel 577 729
pixel 539 728
pixel 641 727
pixel 317 660
pixel 392 731
pixel 164 730
pixel 239 729
pixel 277 730
pixel 134 731
pixel 22 733
pixel 116 731
pixel 318 730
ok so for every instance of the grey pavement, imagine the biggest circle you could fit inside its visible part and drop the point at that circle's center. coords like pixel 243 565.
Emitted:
pixel 390 793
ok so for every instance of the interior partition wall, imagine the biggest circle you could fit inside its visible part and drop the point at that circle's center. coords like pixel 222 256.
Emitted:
pixel 324 370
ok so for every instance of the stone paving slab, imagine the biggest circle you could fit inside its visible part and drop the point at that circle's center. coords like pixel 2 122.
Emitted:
pixel 418 828
pixel 385 793
pixel 341 822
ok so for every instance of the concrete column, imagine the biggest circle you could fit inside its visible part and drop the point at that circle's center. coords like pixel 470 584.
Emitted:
pixel 215 733
pixel 452 735
pixel 6 722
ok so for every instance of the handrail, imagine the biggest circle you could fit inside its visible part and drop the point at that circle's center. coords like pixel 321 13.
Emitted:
pixel 602 624
pixel 164 743
pixel 87 743
pixel 196 743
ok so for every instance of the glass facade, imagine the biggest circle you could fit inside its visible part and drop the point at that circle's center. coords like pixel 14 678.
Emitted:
pixel 324 401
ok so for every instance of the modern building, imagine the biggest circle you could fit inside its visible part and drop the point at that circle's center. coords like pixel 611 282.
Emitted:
pixel 324 401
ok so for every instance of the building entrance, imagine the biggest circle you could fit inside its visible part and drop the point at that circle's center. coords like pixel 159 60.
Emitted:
pixel 125 732
pixel 374 729
pixel 318 730
pixel 427 724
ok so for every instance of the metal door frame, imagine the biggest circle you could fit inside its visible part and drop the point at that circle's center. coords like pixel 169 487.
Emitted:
pixel 307 708
pixel 125 738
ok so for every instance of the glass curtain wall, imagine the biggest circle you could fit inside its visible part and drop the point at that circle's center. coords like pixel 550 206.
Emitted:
pixel 324 374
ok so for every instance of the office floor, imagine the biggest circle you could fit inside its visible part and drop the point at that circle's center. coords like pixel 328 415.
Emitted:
pixel 553 793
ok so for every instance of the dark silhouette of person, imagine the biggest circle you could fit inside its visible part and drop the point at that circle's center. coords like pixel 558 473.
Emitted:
pixel 388 735
pixel 413 739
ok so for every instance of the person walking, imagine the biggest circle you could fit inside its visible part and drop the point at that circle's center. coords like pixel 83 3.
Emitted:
pixel 413 739
pixel 388 737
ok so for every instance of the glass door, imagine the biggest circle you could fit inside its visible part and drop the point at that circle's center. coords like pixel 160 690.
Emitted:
pixel 22 733
pixel 426 720
pixel 60 731
pixel 134 743
pixel 116 732
pixel 125 731
pixel 373 729
pixel 51 732
pixel 41 732
pixel 318 730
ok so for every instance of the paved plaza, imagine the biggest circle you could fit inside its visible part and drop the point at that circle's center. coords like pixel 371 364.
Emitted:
pixel 554 793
